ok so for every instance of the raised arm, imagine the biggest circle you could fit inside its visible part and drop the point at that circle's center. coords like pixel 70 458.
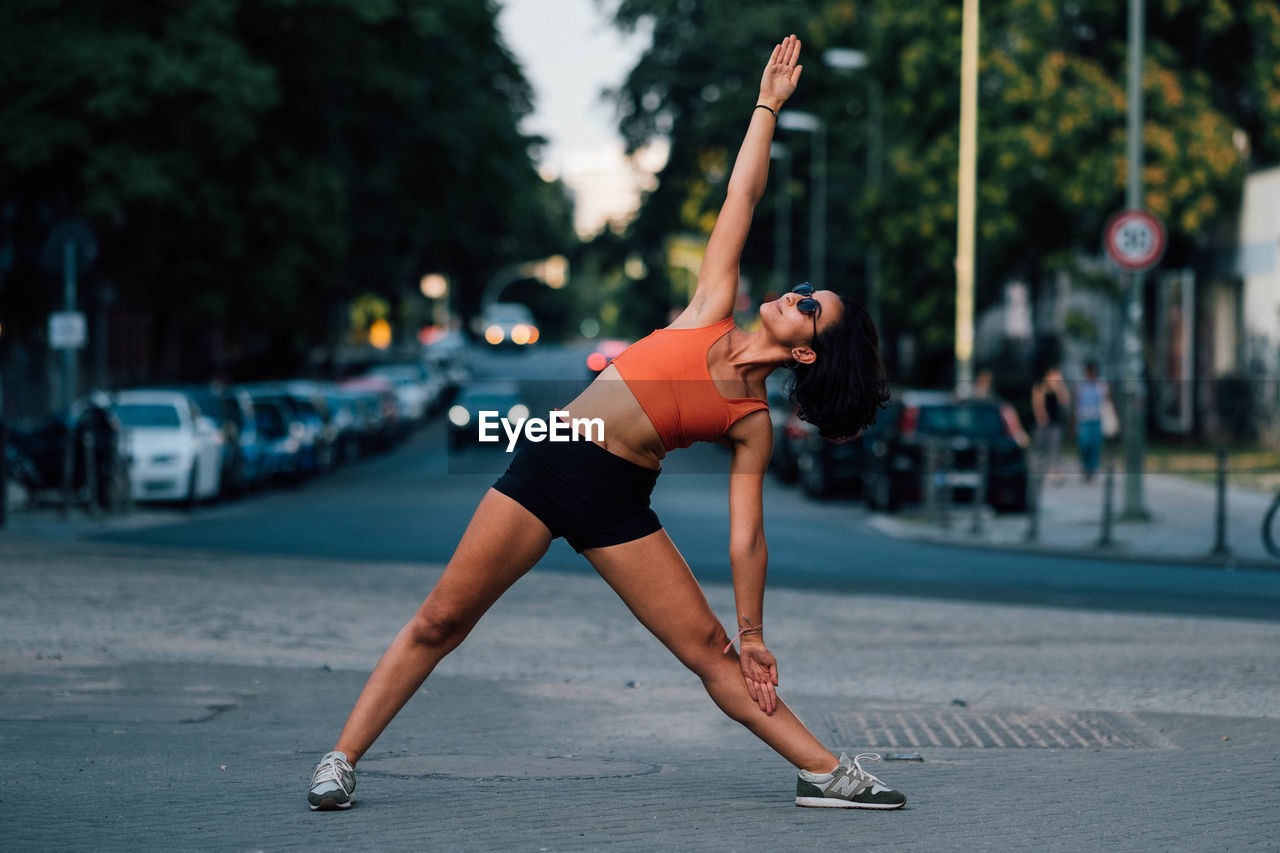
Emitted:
pixel 718 279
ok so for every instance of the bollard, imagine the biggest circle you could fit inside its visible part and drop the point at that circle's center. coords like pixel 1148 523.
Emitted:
pixel 90 469
pixel 4 474
pixel 1220 548
pixel 931 479
pixel 944 487
pixel 980 490
pixel 1036 477
pixel 1108 489
pixel 68 469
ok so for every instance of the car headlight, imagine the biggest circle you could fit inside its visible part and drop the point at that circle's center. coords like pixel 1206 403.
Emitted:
pixel 494 334
pixel 459 416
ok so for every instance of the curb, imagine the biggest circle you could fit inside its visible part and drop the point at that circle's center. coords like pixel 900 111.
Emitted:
pixel 902 531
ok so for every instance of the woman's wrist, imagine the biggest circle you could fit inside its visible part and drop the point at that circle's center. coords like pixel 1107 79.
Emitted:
pixel 774 104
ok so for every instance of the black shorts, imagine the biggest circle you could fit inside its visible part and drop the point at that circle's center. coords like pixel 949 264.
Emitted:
pixel 582 492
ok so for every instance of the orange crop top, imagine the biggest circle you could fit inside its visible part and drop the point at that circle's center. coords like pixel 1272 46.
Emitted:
pixel 668 374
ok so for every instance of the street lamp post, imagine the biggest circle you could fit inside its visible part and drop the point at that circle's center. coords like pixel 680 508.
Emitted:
pixel 809 123
pixel 1135 412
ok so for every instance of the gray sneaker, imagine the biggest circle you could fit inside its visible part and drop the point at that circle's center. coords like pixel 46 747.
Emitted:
pixel 850 787
pixel 332 784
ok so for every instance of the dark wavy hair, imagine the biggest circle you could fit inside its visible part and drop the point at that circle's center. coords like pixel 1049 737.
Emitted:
pixel 842 392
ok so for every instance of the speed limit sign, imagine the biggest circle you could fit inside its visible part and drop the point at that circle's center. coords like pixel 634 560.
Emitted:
pixel 1134 240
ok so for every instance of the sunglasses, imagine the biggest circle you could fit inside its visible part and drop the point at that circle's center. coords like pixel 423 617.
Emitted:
pixel 808 305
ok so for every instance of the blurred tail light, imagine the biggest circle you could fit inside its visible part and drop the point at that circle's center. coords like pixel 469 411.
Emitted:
pixel 910 420
pixel 597 362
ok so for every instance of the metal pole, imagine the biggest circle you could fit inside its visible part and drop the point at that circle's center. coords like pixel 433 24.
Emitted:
pixel 1035 474
pixel 1108 490
pixel 944 486
pixel 980 490
pixel 818 212
pixel 1220 548
pixel 967 204
pixel 1135 408
pixel 91 468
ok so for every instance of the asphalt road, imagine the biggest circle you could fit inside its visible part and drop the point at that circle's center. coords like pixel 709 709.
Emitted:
pixel 413 504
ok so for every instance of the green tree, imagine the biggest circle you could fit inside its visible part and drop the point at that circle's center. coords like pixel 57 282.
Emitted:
pixel 1051 133
pixel 252 165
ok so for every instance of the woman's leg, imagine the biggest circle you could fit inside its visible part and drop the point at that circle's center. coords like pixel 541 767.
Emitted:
pixel 503 541
pixel 655 582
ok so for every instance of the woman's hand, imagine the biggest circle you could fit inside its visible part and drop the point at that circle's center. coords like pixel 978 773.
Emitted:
pixel 781 74
pixel 760 670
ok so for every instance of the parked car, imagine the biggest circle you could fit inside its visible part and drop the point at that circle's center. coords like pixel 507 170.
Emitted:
pixel 280 436
pixel 417 389
pixel 209 399
pixel 501 396
pixel 446 355
pixel 302 419
pixel 176 451
pixel 825 466
pixel 508 324
pixel 384 408
pixel 896 465
pixel 247 472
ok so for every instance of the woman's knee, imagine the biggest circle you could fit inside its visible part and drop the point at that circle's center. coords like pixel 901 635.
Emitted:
pixel 438 628
pixel 704 653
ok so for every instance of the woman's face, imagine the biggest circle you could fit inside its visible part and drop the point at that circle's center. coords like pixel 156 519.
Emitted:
pixel 793 327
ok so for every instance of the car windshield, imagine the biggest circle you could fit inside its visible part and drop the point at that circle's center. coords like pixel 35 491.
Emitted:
pixel 161 415
pixel 978 421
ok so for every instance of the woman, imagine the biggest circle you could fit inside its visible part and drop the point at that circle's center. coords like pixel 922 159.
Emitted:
pixel 700 379
pixel 1092 397
pixel 1049 403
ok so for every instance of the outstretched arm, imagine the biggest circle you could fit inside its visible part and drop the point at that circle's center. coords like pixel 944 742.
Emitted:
pixel 749 554
pixel 718 279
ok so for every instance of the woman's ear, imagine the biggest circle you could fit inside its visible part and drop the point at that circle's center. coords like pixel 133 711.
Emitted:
pixel 803 355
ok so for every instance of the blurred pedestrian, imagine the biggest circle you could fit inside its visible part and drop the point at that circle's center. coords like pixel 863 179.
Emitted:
pixel 699 379
pixel 1049 405
pixel 1092 398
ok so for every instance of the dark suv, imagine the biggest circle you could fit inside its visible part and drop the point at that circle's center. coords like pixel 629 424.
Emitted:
pixel 896 463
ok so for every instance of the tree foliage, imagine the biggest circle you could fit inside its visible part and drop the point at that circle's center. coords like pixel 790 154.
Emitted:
pixel 251 165
pixel 1051 129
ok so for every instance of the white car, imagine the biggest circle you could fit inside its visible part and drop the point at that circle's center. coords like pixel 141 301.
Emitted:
pixel 175 451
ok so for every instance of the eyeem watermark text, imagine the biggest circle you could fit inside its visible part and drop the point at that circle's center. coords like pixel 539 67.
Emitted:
pixel 558 427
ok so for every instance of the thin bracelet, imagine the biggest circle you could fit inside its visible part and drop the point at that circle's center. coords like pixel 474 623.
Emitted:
pixel 770 109
pixel 749 630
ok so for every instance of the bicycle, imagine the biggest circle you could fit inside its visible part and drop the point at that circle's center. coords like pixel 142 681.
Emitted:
pixel 1271 528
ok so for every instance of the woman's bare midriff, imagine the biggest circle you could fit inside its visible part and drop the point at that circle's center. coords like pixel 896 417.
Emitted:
pixel 628 432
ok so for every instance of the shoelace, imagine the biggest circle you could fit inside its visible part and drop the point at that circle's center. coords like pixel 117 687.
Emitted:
pixel 328 771
pixel 863 774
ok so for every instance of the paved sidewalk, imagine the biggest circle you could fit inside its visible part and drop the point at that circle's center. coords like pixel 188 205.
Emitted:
pixel 1181 527
pixel 159 700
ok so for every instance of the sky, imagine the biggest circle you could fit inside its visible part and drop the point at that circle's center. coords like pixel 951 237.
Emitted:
pixel 570 53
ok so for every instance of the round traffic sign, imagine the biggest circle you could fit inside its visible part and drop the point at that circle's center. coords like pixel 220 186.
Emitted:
pixel 1134 240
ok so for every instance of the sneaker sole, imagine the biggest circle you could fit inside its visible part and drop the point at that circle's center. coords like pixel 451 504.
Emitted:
pixel 833 803
pixel 331 805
